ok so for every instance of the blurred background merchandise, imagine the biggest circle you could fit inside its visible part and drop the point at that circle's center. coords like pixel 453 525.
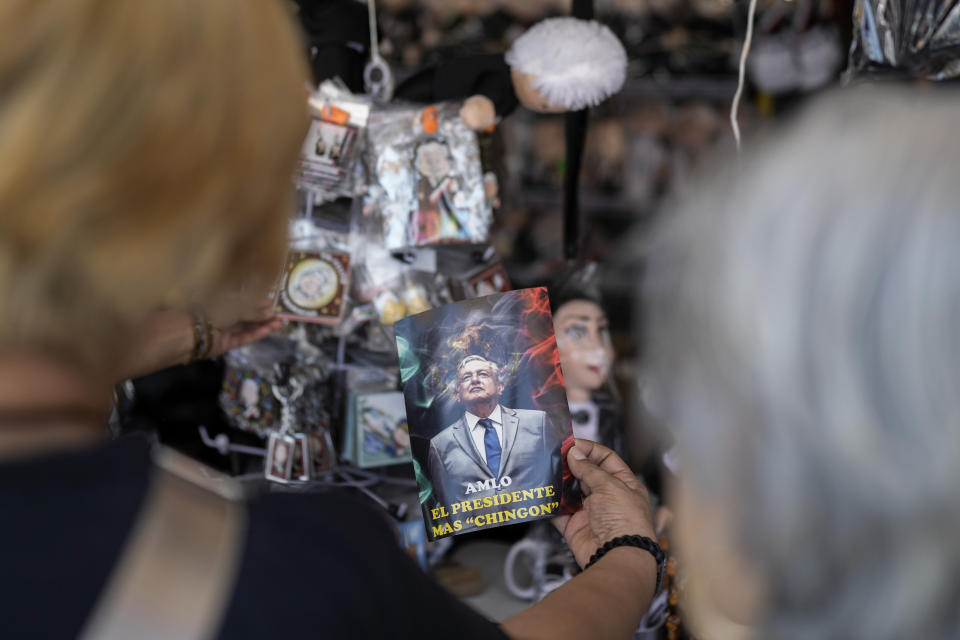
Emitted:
pixel 643 145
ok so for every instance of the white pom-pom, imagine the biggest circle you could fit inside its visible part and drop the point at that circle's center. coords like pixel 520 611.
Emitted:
pixel 575 63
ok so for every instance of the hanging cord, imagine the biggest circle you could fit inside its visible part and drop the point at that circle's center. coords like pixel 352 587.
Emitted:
pixel 735 107
pixel 374 41
pixel 377 77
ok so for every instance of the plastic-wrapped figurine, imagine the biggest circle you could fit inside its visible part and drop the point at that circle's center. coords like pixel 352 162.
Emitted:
pixel 541 71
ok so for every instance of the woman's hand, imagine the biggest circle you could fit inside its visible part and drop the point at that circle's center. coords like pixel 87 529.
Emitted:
pixel 241 320
pixel 616 502
pixel 166 337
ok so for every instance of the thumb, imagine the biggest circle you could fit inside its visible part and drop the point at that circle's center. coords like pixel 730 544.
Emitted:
pixel 591 476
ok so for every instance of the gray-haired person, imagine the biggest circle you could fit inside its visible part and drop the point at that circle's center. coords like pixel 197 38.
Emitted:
pixel 804 341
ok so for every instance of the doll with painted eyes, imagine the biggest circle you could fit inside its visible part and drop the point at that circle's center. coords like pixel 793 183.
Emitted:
pixel 543 71
pixel 586 357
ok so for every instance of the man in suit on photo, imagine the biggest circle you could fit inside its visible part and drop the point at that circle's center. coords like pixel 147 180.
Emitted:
pixel 473 457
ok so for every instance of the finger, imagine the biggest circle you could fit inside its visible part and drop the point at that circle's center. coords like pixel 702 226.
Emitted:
pixel 591 476
pixel 608 460
pixel 662 520
pixel 560 522
pixel 264 312
pixel 233 339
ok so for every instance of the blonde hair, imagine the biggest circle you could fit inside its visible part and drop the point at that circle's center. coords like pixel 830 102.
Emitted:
pixel 146 154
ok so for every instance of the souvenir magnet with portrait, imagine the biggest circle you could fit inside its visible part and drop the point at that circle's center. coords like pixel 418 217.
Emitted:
pixel 314 286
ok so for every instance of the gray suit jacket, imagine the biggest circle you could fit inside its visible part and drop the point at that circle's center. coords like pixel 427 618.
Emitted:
pixel 530 457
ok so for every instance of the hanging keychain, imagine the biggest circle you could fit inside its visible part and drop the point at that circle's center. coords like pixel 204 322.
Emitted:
pixel 282 445
pixel 377 77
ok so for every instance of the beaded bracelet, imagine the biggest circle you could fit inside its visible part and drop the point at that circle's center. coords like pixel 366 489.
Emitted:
pixel 202 338
pixel 641 542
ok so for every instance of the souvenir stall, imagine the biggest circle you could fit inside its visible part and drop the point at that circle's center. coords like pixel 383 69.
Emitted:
pixel 448 171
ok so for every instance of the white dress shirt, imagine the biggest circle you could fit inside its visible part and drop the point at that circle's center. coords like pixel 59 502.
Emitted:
pixel 477 430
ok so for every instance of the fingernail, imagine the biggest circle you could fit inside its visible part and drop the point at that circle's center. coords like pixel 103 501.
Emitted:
pixel 577 454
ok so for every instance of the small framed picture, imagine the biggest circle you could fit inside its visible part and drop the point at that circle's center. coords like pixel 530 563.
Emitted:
pixel 301 458
pixel 322 452
pixel 328 144
pixel 382 437
pixel 314 286
pixel 279 462
pixel 490 280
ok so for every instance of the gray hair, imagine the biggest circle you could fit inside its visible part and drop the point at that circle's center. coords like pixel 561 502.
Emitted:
pixel 804 344
pixel 475 358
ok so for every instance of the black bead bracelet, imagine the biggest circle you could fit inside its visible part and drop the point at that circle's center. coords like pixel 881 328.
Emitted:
pixel 641 542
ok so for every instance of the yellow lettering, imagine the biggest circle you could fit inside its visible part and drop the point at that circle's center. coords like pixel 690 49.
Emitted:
pixel 505 499
pixel 517 496
pixel 550 491
pixel 488 502
pixel 546 509
pixel 457 525
pixel 527 493
pixel 477 503
pixel 437 531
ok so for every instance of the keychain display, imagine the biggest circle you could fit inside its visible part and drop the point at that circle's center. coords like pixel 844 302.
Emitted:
pixel 426 179
pixel 246 395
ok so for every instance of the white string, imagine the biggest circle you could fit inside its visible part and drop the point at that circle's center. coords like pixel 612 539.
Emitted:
pixel 735 107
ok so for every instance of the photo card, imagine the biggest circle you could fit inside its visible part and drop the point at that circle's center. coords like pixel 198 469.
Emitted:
pixel 328 154
pixel 487 412
pixel 382 437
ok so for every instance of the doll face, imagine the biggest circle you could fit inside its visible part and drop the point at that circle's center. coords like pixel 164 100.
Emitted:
pixel 249 393
pixel 311 284
pixel 583 340
pixel 432 161
pixel 529 96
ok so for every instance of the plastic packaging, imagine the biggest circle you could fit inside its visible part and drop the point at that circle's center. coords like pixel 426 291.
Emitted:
pixel 912 38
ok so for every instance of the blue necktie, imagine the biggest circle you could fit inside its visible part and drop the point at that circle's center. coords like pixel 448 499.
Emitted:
pixel 492 445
